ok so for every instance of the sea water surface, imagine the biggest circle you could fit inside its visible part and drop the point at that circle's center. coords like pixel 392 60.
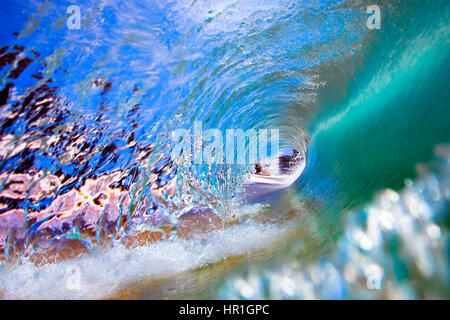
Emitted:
pixel 91 205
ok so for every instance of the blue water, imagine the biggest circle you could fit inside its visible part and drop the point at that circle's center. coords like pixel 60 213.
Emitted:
pixel 369 109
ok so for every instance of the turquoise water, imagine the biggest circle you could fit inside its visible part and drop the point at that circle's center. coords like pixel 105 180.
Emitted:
pixel 369 109
pixel 392 115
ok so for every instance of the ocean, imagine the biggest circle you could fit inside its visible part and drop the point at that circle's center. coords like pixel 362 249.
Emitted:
pixel 93 206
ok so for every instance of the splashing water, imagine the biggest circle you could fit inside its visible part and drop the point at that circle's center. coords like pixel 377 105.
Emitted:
pixel 90 196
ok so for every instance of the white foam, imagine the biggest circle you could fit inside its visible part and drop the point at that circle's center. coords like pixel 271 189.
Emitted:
pixel 101 274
